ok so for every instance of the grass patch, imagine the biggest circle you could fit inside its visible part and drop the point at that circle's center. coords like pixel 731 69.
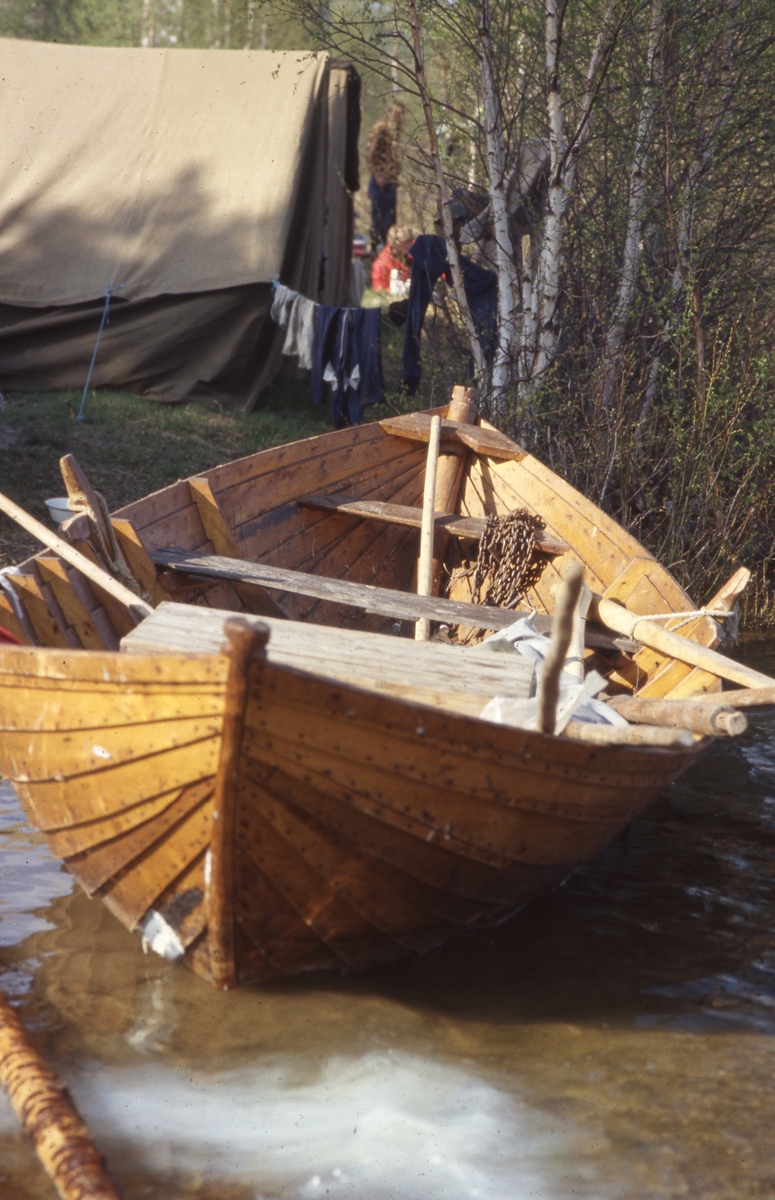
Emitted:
pixel 130 447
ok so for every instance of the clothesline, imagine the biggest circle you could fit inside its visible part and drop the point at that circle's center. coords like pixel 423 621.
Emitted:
pixel 275 284
pixel 340 346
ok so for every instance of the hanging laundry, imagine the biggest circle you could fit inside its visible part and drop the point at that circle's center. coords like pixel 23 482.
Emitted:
pixel 429 262
pixel 282 300
pixel 301 331
pixel 348 356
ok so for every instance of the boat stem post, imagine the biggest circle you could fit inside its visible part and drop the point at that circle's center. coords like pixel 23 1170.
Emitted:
pixel 49 1117
pixel 247 643
pixel 422 629
pixel 568 595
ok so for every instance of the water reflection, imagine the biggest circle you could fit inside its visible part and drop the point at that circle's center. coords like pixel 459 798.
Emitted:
pixel 614 1039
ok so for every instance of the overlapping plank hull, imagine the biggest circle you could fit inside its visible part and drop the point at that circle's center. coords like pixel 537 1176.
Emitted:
pixel 366 828
pixel 380 828
pixel 343 807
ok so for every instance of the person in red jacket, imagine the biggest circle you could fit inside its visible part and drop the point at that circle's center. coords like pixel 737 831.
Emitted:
pixel 394 256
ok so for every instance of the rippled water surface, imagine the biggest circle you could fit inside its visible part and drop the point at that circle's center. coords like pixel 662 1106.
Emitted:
pixel 614 1040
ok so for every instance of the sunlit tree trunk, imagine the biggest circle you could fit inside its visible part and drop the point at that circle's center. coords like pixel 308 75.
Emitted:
pixel 614 341
pixel 505 347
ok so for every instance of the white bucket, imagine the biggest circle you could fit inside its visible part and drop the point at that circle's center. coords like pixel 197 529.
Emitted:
pixel 59 509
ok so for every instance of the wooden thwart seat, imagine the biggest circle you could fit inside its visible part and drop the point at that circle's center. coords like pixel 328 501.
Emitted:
pixel 403 514
pixel 386 602
pixel 460 679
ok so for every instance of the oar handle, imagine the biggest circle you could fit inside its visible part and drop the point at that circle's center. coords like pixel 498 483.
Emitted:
pixel 139 608
pixel 666 641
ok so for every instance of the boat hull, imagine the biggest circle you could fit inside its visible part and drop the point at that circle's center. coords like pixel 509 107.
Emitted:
pixel 360 828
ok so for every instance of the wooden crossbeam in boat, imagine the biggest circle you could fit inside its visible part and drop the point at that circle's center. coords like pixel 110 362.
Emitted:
pixel 403 514
pixel 386 602
pixel 488 442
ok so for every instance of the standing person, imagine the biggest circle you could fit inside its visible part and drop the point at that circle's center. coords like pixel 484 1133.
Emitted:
pixel 383 158
pixel 395 256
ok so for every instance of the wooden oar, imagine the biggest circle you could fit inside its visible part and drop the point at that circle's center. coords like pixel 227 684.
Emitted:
pixel 49 1117
pixel 666 641
pixel 135 604
pixel 422 629
pixel 754 697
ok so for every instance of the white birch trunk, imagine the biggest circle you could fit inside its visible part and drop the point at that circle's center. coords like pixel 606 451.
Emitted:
pixel 147 33
pixel 614 341
pixel 547 286
pixel 562 176
pixel 504 251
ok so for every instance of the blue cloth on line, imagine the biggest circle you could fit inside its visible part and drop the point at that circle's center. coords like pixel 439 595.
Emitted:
pixel 347 354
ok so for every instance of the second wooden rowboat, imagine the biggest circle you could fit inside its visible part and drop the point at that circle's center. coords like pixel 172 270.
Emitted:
pixel 313 794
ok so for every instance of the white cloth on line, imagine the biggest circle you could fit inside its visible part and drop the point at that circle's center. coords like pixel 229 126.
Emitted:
pixel 281 303
pixel 301 330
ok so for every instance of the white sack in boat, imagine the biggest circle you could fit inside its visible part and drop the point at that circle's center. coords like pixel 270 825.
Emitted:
pixel 576 700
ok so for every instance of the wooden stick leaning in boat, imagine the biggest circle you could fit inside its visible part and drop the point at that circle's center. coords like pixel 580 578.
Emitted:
pixel 137 607
pixel 649 633
pixel 49 1118
pixel 716 719
pixel 422 630
pixel 568 595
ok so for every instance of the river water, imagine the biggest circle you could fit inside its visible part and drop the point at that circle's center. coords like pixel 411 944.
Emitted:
pixel 616 1039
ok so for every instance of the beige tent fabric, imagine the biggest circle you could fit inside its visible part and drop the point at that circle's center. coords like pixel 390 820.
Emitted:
pixel 338 234
pixel 165 171
pixel 193 178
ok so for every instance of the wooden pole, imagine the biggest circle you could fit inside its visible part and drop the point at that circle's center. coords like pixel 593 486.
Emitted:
pixel 755 697
pixel 666 641
pixel 574 663
pixel 246 644
pixel 568 595
pixel 715 719
pixel 450 472
pixel 49 1117
pixel 629 735
pixel 137 607
pixel 422 629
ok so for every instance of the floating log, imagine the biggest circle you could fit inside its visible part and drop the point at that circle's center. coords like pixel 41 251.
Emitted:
pixel 712 718
pixel 49 1117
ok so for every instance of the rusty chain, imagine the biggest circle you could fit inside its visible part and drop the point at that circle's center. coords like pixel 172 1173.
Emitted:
pixel 507 558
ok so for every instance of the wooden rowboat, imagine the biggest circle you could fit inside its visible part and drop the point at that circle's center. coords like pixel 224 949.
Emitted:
pixel 307 794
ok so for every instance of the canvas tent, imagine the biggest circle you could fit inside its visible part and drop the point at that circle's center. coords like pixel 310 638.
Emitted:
pixel 184 181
